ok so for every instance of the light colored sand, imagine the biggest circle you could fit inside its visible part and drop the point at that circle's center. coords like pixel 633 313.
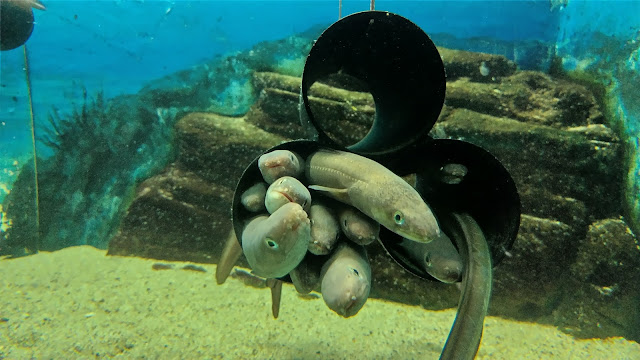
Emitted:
pixel 78 303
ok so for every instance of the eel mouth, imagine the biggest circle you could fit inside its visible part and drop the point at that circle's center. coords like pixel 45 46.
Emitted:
pixel 350 305
pixel 273 165
pixel 286 196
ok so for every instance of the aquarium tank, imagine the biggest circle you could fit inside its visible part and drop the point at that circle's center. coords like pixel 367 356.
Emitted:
pixel 319 179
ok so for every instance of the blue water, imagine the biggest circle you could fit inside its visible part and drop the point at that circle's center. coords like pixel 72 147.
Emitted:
pixel 119 46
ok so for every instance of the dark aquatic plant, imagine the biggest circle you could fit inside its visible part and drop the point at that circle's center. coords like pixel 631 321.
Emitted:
pixel 66 132
pixel 104 147
pixel 101 150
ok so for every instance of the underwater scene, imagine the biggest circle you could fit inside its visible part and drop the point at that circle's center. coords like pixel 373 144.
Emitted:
pixel 319 179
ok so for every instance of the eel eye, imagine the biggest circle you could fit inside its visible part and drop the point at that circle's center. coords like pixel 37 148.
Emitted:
pixel 398 218
pixel 427 260
pixel 355 271
pixel 272 244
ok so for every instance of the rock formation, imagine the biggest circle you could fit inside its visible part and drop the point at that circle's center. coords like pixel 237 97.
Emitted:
pixel 572 263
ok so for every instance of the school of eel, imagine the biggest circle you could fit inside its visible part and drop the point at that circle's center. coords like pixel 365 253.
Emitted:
pixel 317 234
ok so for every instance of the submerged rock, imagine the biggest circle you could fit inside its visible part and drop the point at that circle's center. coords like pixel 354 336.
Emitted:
pixel 176 215
pixel 528 96
pixel 549 133
pixel 184 213
pixel 530 278
pixel 604 281
pixel 609 256
pixel 345 115
pixel 218 148
pixel 566 163
pixel 475 65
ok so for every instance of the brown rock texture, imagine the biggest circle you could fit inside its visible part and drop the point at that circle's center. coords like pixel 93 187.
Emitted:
pixel 549 133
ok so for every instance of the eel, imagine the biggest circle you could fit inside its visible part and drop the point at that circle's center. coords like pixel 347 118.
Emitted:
pixel 357 226
pixel 465 335
pixel 306 276
pixel 285 190
pixel 374 190
pixel 276 295
pixel 253 198
pixel 346 280
pixel 249 279
pixel 274 245
pixel 230 255
pixel 439 258
pixel 453 174
pixel 278 163
pixel 325 230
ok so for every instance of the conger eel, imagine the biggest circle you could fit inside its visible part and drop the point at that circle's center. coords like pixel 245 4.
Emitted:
pixel 464 339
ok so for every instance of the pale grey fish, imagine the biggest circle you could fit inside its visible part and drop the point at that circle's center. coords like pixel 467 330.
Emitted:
pixel 453 173
pixel 306 276
pixel 276 295
pixel 253 198
pixel 274 245
pixel 325 229
pixel 249 279
pixel 465 335
pixel 346 279
pixel 278 163
pixel 230 255
pixel 285 190
pixel 439 258
pixel 357 226
pixel 374 190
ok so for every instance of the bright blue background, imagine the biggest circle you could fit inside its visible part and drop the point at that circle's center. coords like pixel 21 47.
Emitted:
pixel 117 46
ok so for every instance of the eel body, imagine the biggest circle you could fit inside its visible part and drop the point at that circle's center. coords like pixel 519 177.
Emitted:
pixel 439 258
pixel 464 339
pixel 278 163
pixel 358 227
pixel 346 280
pixel 374 190
pixel 324 229
pixel 274 245
pixel 285 190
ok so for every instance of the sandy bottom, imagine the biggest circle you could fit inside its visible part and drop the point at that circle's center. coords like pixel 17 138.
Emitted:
pixel 78 303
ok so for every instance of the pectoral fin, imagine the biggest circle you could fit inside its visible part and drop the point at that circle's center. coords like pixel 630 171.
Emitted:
pixel 338 194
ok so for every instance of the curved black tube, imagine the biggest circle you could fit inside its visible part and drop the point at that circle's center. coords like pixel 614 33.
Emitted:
pixel 464 339
pixel 400 66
